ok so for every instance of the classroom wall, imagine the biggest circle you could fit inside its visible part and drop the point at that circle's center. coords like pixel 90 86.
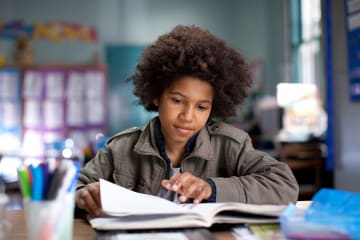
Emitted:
pixel 346 113
pixel 46 11
pixel 254 27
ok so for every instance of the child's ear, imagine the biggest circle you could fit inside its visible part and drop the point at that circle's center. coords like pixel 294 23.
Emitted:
pixel 156 102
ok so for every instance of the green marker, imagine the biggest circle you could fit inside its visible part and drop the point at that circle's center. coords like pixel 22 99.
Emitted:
pixel 24 182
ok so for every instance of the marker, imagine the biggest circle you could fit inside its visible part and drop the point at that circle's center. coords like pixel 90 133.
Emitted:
pixel 45 170
pixel 24 181
pixel 38 183
pixel 54 184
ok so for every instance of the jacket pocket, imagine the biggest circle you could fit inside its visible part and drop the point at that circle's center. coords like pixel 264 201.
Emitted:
pixel 129 182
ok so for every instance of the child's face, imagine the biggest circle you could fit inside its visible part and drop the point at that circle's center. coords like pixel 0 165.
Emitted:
pixel 184 108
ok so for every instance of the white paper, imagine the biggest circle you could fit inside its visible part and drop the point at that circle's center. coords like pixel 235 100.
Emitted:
pixel 96 112
pixel 75 85
pixel 74 114
pixel 54 85
pixel 33 84
pixel 119 200
pixel 11 117
pixel 32 113
pixel 95 82
pixel 145 236
pixel 53 114
pixel 132 210
pixel 9 85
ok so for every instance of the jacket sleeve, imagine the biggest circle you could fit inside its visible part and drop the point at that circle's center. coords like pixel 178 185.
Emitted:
pixel 255 177
pixel 101 166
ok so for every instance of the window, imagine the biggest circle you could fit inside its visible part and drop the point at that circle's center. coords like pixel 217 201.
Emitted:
pixel 306 35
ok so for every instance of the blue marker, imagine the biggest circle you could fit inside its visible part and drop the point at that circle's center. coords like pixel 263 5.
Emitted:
pixel 46 178
pixel 38 183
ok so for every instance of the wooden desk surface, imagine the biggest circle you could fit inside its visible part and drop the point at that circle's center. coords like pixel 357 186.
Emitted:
pixel 81 228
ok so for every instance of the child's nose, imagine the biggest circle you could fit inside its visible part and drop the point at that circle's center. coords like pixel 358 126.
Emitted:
pixel 187 113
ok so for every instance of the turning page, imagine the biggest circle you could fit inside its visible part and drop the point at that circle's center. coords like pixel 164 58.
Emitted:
pixel 119 201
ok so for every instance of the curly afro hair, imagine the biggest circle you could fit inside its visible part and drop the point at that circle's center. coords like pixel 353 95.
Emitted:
pixel 192 51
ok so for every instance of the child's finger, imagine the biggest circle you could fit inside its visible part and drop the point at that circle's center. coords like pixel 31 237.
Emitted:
pixel 173 182
pixel 166 184
pixel 198 190
pixel 204 194
pixel 94 190
pixel 87 202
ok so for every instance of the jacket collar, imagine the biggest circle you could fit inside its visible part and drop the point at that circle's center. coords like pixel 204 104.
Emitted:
pixel 147 143
pixel 160 142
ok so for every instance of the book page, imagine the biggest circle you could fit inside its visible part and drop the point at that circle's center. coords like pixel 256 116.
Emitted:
pixel 119 201
pixel 209 210
pixel 141 236
pixel 127 209
pixel 137 222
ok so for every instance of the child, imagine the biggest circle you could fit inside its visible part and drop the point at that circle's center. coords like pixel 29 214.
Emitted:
pixel 189 77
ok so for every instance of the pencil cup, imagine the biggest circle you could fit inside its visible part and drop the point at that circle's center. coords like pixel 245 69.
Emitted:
pixel 4 224
pixel 51 219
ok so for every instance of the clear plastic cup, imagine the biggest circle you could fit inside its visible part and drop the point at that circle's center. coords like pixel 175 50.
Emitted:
pixel 51 220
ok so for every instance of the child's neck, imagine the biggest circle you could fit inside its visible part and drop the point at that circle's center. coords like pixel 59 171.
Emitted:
pixel 175 154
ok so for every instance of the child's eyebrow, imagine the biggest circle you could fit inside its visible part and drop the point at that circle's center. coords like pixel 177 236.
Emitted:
pixel 184 96
pixel 176 93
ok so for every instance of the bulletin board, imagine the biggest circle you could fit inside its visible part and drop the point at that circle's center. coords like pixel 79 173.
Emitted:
pixel 62 102
pixel 10 111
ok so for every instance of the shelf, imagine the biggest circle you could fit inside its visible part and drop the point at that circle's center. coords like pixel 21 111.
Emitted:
pixel 306 162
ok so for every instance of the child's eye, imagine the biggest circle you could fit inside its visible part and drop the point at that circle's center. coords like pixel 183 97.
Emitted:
pixel 203 107
pixel 177 100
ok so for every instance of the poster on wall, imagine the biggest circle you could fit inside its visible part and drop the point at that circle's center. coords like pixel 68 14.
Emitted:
pixel 52 31
pixel 10 111
pixel 352 8
pixel 60 103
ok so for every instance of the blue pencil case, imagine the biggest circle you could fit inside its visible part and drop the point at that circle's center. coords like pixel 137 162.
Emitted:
pixel 333 214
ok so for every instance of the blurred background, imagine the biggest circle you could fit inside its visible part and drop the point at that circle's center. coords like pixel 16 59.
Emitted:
pixel 64 66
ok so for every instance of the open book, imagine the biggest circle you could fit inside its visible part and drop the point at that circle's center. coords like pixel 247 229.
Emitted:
pixel 128 210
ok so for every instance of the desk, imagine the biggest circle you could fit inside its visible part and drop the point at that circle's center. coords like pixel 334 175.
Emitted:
pixel 81 229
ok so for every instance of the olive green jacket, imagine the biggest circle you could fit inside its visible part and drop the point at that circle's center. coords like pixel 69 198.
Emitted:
pixel 222 153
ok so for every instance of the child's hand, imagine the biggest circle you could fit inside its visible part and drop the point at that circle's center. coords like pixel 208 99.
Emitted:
pixel 188 186
pixel 88 198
